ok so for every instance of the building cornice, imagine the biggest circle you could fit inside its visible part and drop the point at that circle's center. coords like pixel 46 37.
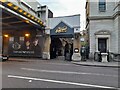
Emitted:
pixel 104 17
pixel 100 17
pixel 117 6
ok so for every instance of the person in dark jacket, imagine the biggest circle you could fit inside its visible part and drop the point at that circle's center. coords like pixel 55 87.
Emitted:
pixel 87 52
pixel 71 51
pixel 83 53
pixel 66 51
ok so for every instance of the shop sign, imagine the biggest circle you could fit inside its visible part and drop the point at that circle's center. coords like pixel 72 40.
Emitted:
pixel 24 46
pixel 61 29
pixel 23 52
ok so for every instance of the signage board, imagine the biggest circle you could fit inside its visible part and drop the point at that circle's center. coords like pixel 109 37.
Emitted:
pixel 21 46
pixel 62 29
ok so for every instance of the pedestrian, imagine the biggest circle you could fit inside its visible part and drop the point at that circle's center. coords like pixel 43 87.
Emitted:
pixel 100 56
pixel 108 59
pixel 71 51
pixel 66 51
pixel 83 53
pixel 87 52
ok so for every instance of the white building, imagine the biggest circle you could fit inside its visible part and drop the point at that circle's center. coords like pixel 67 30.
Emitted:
pixel 103 25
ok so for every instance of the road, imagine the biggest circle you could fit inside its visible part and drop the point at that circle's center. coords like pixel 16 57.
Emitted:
pixel 56 74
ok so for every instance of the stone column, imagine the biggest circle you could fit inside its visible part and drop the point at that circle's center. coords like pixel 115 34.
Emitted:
pixel 0 51
pixel 0 58
pixel 96 44
pixel 0 41
pixel 46 50
pixel 76 46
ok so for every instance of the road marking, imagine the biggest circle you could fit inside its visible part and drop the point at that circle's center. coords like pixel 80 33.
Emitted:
pixel 56 81
pixel 66 72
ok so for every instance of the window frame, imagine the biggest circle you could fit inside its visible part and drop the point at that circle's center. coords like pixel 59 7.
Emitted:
pixel 102 5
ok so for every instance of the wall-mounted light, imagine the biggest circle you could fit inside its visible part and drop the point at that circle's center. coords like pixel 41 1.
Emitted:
pixel 25 13
pixel 6 35
pixel 41 22
pixel 27 21
pixel 38 21
pixel 20 10
pixel 27 35
pixel 3 0
pixel 29 15
pixel 35 19
pixel 10 4
pixel 32 17
pixel 16 7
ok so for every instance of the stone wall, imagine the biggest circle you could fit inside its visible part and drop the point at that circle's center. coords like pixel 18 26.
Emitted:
pixel 104 21
pixel 98 25
pixel 94 9
pixel 119 34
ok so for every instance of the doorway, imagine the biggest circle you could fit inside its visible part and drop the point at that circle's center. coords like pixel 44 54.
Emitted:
pixel 102 45
pixel 60 47
pixel 55 48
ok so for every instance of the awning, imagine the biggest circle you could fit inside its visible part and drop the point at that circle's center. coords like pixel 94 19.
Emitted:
pixel 15 17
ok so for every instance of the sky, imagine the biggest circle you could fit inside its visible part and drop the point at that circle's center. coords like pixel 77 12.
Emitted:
pixel 66 8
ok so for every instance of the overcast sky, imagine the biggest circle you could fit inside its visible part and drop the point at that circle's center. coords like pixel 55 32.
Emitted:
pixel 66 8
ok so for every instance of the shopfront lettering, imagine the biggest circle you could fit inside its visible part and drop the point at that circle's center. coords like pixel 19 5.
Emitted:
pixel 61 30
pixel 23 52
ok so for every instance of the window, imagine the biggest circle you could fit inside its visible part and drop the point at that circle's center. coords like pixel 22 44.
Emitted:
pixel 102 5
pixel 39 15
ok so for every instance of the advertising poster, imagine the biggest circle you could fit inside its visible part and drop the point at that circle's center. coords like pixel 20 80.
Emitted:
pixel 21 46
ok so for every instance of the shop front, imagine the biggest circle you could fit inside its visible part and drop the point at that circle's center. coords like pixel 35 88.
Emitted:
pixel 23 35
pixel 62 41
pixel 63 38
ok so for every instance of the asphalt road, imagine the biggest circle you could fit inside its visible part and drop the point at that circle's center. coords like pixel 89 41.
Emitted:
pixel 56 74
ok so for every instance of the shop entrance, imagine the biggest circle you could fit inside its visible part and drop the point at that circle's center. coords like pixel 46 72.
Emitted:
pixel 19 37
pixel 55 48
pixel 61 47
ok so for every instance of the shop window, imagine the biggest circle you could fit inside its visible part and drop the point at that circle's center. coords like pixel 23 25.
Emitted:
pixel 21 38
pixel 38 14
pixel 102 5
pixel 11 39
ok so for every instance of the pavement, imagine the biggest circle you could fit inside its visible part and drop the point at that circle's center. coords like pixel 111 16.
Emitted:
pixel 112 64
pixel 98 64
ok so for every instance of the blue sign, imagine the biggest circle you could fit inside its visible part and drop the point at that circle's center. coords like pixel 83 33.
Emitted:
pixel 62 30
